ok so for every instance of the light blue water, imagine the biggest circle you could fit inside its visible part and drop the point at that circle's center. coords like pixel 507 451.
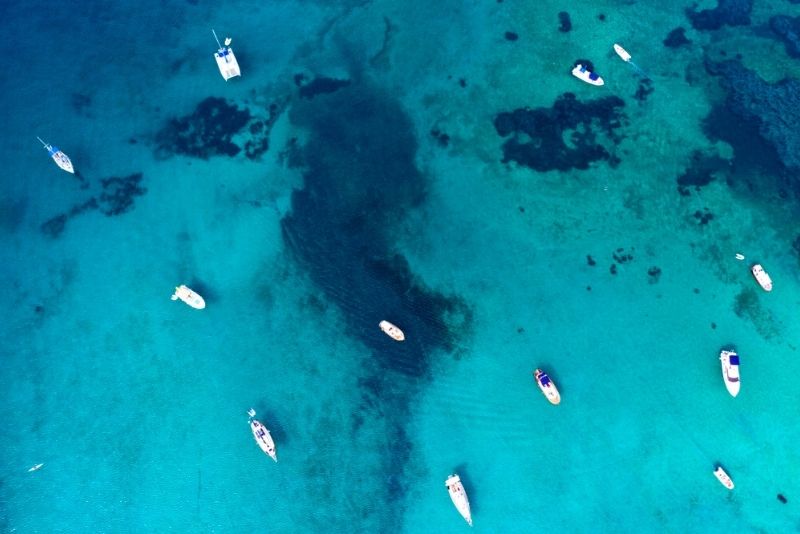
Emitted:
pixel 361 210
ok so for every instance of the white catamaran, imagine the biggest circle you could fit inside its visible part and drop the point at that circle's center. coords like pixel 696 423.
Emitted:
pixel 226 61
pixel 59 157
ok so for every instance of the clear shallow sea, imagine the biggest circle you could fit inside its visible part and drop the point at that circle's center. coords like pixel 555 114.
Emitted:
pixel 383 194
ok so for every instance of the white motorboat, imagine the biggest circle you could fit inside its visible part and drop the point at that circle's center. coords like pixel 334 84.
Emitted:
pixel 730 370
pixel 189 297
pixel 392 331
pixel 59 157
pixel 762 277
pixel 582 73
pixel 723 477
pixel 547 386
pixel 226 61
pixel 621 52
pixel 35 468
pixel 459 497
pixel 262 435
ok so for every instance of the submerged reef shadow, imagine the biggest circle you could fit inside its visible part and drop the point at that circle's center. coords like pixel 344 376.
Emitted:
pixel 359 179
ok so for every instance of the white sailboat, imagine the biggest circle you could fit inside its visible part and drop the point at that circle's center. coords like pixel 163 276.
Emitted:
pixel 189 297
pixel 459 497
pixel 226 61
pixel 59 157
pixel 262 435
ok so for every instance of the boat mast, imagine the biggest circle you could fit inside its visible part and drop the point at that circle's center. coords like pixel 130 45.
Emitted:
pixel 215 37
pixel 40 140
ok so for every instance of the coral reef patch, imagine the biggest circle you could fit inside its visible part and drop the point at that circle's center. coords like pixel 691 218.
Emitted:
pixel 788 31
pixel 727 13
pixel 117 197
pixel 210 130
pixel 537 136
pixel 677 38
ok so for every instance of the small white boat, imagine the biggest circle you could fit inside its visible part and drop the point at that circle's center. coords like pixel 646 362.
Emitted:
pixel 59 157
pixel 621 52
pixel 762 277
pixel 547 386
pixel 730 371
pixel 459 497
pixel 392 331
pixel 35 468
pixel 739 256
pixel 226 61
pixel 189 297
pixel 581 73
pixel 723 477
pixel 262 435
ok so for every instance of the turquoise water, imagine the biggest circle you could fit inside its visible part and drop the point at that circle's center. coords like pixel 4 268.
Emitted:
pixel 370 181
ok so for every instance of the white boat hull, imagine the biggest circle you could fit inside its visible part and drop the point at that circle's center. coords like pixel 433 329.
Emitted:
pixel 392 331
pixel 622 53
pixel 263 438
pixel 729 361
pixel 549 390
pixel 591 78
pixel 189 297
pixel 227 63
pixel 63 162
pixel 762 277
pixel 459 497
pixel 723 478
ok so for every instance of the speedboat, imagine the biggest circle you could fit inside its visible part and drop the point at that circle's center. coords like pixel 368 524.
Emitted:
pixel 730 370
pixel 226 61
pixel 547 386
pixel 762 277
pixel 459 497
pixel 392 331
pixel 723 477
pixel 189 297
pixel 262 435
pixel 582 73
pixel 59 157
pixel 621 52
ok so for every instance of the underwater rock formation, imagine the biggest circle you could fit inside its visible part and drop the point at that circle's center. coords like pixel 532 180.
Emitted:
pixel 210 129
pixel 701 171
pixel 727 12
pixel 537 135
pixel 788 30
pixel 206 132
pixel 773 108
pixel 564 21
pixel 319 86
pixel 676 38
pixel 119 193
pixel 117 198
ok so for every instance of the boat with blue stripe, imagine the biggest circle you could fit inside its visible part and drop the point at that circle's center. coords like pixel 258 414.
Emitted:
pixel 547 386
pixel 730 371
pixel 59 157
